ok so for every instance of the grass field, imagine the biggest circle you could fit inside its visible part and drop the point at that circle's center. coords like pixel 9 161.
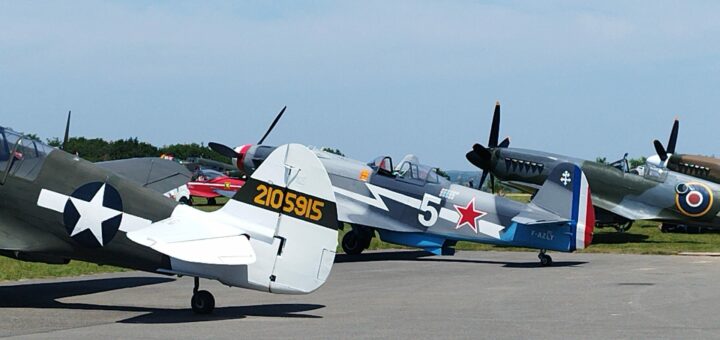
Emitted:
pixel 642 238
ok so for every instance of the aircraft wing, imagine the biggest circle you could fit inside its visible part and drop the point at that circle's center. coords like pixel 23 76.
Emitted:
pixel 158 174
pixel 633 209
pixel 188 237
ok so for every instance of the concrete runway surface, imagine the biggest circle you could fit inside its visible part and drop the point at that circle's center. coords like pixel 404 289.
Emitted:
pixel 394 294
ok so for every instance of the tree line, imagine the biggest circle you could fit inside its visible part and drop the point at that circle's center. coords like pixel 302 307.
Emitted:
pixel 98 149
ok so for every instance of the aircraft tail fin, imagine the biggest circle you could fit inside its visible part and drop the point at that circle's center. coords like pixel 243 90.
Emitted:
pixel 288 208
pixel 566 193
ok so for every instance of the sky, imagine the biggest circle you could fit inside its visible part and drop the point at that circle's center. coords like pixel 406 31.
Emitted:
pixel 370 78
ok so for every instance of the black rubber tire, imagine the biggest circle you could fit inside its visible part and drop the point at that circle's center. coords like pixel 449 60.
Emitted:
pixel 202 302
pixel 211 201
pixel 352 244
pixel 545 260
pixel 185 200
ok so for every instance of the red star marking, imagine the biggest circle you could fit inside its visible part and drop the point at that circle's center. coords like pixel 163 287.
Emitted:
pixel 469 216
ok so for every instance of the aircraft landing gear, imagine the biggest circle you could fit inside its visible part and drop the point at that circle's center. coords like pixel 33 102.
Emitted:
pixel 623 227
pixel 202 301
pixel 545 259
pixel 355 241
pixel 186 201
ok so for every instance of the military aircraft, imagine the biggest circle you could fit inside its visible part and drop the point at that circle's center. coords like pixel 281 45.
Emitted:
pixel 621 195
pixel 412 205
pixel 278 234
pixel 704 167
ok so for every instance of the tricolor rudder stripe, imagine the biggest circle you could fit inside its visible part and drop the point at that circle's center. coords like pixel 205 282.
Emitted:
pixel 583 214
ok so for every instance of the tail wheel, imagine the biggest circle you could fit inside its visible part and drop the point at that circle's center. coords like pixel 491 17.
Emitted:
pixel 545 259
pixel 202 302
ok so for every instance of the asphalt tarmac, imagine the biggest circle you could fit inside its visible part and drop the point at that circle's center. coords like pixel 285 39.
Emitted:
pixel 400 294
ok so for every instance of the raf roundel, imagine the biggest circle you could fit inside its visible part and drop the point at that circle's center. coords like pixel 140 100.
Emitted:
pixel 93 214
pixel 693 199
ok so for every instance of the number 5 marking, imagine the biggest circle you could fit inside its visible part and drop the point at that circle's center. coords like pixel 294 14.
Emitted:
pixel 425 207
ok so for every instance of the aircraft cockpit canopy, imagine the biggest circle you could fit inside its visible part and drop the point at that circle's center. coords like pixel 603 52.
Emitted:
pixel 420 172
pixel 654 173
pixel 20 156
pixel 383 165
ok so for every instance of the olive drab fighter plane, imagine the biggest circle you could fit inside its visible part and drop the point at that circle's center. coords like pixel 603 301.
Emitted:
pixel 412 205
pixel 621 195
pixel 278 234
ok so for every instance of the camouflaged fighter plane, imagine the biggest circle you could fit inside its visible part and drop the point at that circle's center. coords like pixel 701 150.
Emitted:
pixel 621 195
pixel 278 234
pixel 412 205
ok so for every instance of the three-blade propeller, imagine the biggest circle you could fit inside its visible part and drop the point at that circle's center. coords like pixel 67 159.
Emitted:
pixel 672 142
pixel 481 156
pixel 231 153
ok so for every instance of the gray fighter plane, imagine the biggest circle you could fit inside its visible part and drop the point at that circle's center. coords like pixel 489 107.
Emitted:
pixel 412 205
pixel 621 195
pixel 278 234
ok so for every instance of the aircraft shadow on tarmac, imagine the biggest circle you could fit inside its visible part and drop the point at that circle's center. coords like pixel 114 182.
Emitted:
pixel 422 256
pixel 45 296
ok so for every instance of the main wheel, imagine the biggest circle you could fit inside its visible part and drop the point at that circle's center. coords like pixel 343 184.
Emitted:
pixel 545 260
pixel 211 201
pixel 202 302
pixel 352 244
pixel 185 200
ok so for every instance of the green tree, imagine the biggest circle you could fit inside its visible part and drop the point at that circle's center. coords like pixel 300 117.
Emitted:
pixel 635 162
pixel 184 151
pixel 333 151
pixel 601 160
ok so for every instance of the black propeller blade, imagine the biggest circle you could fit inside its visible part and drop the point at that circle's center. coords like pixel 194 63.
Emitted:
pixel 505 143
pixel 223 150
pixel 495 127
pixel 67 131
pixel 272 125
pixel 482 179
pixel 660 150
pixel 673 137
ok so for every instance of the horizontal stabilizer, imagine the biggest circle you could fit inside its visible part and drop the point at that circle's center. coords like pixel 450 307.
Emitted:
pixel 537 217
pixel 187 238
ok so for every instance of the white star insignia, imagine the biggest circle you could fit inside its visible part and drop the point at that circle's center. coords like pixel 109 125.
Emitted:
pixel 93 214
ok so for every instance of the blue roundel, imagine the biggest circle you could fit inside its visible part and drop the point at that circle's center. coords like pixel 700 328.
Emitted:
pixel 693 199
pixel 93 214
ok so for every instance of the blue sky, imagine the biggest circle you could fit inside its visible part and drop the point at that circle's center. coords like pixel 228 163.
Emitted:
pixel 373 77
